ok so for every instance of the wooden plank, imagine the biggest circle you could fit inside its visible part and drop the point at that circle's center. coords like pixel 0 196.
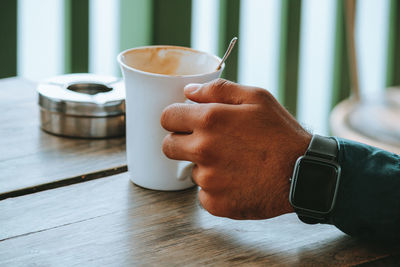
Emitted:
pixel 30 157
pixel 8 37
pixel 135 23
pixel 172 22
pixel 76 36
pixel 289 53
pixel 341 72
pixel 110 221
pixel 229 18
pixel 393 52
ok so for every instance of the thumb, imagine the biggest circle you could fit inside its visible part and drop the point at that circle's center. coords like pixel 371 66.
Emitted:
pixel 218 91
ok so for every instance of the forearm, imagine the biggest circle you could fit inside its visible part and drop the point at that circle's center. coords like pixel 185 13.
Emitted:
pixel 368 201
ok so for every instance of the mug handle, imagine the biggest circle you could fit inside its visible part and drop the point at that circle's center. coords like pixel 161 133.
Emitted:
pixel 184 170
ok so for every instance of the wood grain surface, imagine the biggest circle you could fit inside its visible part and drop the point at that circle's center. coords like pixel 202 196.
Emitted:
pixel 111 222
pixel 30 157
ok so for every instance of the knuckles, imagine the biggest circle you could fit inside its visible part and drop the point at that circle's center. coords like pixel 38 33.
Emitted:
pixel 209 203
pixel 207 179
pixel 242 94
pixel 262 95
pixel 223 89
pixel 218 85
pixel 215 206
pixel 210 116
pixel 202 149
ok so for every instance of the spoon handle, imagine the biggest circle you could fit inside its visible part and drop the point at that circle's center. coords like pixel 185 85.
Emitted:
pixel 228 51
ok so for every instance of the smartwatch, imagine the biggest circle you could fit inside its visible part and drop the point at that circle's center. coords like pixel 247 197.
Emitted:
pixel 315 181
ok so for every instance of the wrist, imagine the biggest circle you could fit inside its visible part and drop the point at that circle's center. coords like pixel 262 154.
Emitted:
pixel 298 149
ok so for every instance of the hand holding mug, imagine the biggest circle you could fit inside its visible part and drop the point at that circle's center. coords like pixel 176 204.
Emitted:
pixel 244 145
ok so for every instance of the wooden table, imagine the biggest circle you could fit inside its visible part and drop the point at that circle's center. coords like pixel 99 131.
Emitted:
pixel 70 202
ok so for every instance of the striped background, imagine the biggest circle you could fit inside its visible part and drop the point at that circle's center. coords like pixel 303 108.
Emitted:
pixel 294 48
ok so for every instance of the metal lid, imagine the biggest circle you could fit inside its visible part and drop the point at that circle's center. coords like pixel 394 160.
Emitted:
pixel 83 95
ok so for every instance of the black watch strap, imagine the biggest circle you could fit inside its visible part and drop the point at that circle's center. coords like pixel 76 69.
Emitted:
pixel 321 147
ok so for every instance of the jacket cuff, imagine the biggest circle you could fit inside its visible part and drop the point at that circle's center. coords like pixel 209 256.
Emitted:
pixel 368 198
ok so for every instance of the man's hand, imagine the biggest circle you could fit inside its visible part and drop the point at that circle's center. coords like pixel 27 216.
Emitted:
pixel 244 145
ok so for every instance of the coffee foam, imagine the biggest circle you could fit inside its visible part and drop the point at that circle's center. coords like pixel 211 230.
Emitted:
pixel 170 60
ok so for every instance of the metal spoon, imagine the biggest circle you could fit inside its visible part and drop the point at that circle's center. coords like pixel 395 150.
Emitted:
pixel 228 51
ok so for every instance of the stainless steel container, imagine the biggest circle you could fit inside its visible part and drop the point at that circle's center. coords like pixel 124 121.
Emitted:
pixel 82 105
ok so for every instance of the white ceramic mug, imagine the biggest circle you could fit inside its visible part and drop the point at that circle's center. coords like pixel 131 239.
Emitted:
pixel 154 78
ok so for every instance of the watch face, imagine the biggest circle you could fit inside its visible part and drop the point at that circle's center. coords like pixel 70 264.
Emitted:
pixel 314 186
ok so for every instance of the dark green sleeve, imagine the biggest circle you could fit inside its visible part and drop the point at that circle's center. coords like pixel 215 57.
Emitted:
pixel 368 200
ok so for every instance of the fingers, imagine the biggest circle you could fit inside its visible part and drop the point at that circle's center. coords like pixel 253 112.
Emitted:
pixel 186 118
pixel 206 178
pixel 191 147
pixel 219 204
pixel 180 118
pixel 179 146
pixel 230 205
pixel 223 91
pixel 207 201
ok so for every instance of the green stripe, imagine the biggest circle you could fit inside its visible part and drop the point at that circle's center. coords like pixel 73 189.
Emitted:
pixel 76 36
pixel 393 52
pixel 229 13
pixel 172 22
pixel 289 53
pixel 341 73
pixel 136 19
pixel 8 37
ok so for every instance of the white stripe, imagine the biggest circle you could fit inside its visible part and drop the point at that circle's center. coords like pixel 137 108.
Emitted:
pixel 103 36
pixel 204 32
pixel 259 43
pixel 316 63
pixel 40 38
pixel 372 24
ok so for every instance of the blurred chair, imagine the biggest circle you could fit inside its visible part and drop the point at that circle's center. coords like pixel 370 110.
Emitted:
pixel 375 123
pixel 374 120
